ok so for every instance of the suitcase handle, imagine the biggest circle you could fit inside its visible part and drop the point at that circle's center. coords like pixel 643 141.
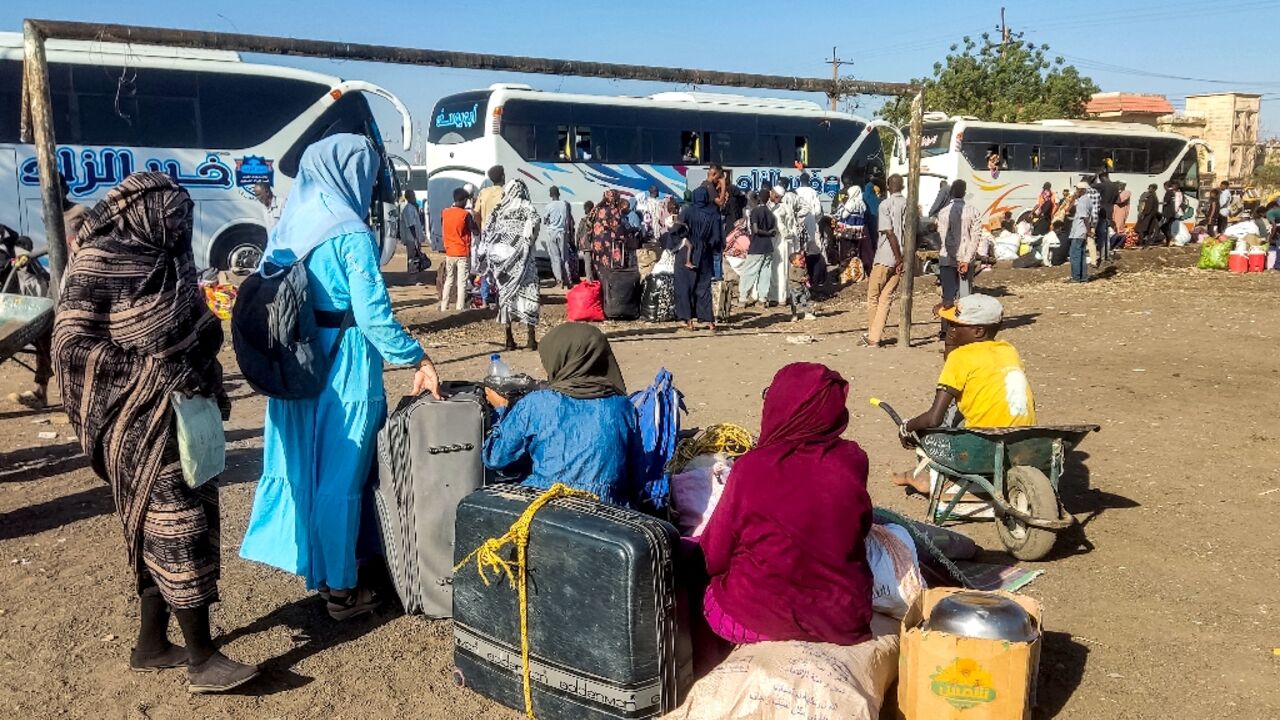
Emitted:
pixel 456 447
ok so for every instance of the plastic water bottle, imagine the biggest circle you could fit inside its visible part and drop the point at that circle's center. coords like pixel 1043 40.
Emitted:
pixel 497 368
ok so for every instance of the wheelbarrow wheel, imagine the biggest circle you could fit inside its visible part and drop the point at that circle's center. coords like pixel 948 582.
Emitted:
pixel 1029 491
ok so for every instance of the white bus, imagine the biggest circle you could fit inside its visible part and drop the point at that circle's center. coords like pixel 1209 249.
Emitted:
pixel 1060 152
pixel 586 144
pixel 219 126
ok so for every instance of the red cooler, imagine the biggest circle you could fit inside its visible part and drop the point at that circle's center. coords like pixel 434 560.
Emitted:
pixel 1257 261
pixel 1238 262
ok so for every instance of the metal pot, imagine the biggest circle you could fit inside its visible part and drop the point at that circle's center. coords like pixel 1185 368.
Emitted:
pixel 982 615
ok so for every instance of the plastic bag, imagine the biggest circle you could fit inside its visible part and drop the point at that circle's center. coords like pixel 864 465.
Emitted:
pixel 221 298
pixel 585 302
pixel 895 569
pixel 1181 235
pixel 696 491
pixel 1213 255
pixel 202 444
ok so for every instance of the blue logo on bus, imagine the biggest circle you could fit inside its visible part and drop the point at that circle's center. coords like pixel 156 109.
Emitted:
pixel 464 119
pixel 254 169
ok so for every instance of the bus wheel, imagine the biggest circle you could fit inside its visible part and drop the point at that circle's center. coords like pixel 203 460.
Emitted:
pixel 239 250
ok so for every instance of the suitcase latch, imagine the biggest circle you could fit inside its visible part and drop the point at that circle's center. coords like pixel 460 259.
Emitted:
pixel 456 447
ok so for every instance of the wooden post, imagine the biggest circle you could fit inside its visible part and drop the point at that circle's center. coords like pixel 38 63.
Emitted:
pixel 913 215
pixel 37 82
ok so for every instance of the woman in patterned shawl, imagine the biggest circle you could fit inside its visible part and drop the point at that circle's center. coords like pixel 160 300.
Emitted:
pixel 507 255
pixel 609 233
pixel 132 329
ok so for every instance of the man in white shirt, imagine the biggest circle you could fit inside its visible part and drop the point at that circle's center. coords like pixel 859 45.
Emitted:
pixel 888 265
pixel 411 232
pixel 1224 205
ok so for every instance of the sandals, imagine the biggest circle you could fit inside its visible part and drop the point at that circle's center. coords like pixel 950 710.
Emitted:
pixel 30 399
pixel 357 602
pixel 218 674
pixel 174 656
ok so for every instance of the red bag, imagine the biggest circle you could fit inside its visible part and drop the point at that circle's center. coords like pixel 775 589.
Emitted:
pixel 585 303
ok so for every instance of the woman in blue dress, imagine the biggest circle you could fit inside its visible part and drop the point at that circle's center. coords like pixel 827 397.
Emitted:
pixel 317 451
pixel 581 430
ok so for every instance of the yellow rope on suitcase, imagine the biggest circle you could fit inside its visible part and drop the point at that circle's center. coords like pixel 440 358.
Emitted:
pixel 489 555
pixel 727 438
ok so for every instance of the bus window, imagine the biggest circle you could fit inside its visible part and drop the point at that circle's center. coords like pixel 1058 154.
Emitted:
pixel 1050 157
pixel 1187 174
pixel 802 150
pixel 619 145
pixel 691 146
pixel 583 150
pixel 350 114
pixel 564 148
pixel 522 139
pixel 1017 157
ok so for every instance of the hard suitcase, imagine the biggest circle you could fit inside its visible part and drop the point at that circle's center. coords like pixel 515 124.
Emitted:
pixel 429 458
pixel 621 293
pixel 608 633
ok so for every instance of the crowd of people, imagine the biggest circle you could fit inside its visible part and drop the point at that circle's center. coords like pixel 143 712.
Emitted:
pixel 785 550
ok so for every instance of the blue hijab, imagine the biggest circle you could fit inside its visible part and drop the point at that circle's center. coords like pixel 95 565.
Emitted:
pixel 330 197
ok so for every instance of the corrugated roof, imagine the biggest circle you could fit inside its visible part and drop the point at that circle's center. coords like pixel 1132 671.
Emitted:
pixel 1128 103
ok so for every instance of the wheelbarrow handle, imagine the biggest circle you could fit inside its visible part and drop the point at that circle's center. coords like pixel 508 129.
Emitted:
pixel 893 414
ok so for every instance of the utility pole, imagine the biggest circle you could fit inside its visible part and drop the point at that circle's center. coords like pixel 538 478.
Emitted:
pixel 835 62
pixel 1004 33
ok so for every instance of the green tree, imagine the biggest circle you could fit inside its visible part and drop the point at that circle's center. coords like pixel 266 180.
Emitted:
pixel 1015 82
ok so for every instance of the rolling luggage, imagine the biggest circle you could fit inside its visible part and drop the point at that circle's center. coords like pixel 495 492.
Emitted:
pixel 429 458
pixel 608 634
pixel 621 293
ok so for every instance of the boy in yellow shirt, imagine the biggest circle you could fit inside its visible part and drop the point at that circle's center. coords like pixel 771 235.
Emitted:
pixel 982 377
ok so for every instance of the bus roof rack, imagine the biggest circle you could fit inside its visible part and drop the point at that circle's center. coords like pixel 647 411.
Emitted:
pixel 707 98
pixel 513 86
pixel 14 40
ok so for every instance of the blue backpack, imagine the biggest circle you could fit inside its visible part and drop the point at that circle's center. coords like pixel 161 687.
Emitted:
pixel 658 408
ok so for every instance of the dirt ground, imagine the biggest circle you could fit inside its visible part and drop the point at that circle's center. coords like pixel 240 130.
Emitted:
pixel 1164 605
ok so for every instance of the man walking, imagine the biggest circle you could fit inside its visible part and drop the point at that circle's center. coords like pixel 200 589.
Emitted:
pixel 557 229
pixel 458 231
pixel 411 232
pixel 958 226
pixel 1107 193
pixel 1086 213
pixel 888 265
pixel 489 197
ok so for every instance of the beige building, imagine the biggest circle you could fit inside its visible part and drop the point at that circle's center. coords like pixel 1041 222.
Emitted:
pixel 1230 130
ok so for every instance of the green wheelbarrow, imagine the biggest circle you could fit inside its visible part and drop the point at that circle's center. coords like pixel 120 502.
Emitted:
pixel 23 318
pixel 1013 471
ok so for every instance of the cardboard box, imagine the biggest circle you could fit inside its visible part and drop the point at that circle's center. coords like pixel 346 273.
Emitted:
pixel 947 677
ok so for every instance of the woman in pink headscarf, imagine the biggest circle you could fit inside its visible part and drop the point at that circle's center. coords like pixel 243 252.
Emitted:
pixel 786 547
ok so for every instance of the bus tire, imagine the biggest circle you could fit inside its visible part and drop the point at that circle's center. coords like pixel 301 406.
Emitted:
pixel 239 249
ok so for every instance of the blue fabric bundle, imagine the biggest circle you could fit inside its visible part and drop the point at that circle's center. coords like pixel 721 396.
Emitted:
pixel 658 407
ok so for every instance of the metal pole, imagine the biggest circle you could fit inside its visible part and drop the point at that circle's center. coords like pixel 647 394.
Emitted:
pixel 913 214
pixel 37 82
pixel 241 42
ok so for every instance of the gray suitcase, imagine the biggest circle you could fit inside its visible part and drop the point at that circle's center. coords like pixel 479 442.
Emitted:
pixel 429 458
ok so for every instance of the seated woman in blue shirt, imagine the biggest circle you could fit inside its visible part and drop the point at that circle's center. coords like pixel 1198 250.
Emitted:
pixel 581 430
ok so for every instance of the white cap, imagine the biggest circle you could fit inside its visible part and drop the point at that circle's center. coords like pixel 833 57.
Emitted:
pixel 779 189
pixel 1082 185
pixel 975 310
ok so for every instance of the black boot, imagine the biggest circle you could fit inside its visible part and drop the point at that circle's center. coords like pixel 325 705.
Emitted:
pixel 511 340
pixel 209 671
pixel 153 651
pixel 533 339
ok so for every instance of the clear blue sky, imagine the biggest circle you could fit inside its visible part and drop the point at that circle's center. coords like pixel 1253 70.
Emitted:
pixel 1125 46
